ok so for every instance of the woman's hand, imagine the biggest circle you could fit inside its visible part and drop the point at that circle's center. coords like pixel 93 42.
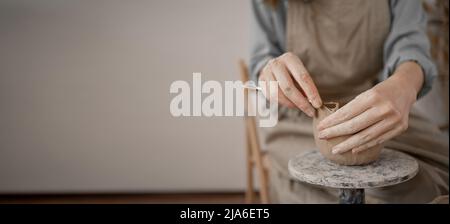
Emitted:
pixel 376 115
pixel 295 86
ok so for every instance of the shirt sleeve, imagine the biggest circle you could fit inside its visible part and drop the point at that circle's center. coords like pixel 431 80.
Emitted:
pixel 264 45
pixel 408 41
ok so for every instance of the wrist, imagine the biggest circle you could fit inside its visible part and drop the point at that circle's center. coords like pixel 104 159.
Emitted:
pixel 409 75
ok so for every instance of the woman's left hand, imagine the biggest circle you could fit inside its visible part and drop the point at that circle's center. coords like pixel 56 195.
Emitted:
pixel 377 115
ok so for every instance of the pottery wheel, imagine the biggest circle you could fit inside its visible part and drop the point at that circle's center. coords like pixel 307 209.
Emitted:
pixel 391 168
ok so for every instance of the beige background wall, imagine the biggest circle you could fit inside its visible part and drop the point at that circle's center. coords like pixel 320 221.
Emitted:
pixel 84 95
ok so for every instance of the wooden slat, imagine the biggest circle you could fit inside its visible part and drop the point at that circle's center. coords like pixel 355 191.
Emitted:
pixel 254 156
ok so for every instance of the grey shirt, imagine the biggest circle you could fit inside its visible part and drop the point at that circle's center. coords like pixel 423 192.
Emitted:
pixel 407 39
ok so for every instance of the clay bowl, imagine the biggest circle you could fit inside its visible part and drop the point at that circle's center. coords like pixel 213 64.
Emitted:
pixel 325 145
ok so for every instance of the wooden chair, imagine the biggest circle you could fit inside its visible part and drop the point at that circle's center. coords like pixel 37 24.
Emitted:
pixel 256 158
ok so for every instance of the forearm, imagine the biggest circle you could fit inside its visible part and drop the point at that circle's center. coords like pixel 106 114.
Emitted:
pixel 408 43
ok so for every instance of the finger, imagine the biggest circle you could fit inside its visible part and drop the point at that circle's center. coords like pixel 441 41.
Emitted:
pixel 347 112
pixel 264 80
pixel 303 78
pixel 377 141
pixel 283 100
pixel 363 137
pixel 287 87
pixel 358 123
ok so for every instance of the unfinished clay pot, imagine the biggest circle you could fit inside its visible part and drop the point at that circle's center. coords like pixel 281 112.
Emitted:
pixel 325 145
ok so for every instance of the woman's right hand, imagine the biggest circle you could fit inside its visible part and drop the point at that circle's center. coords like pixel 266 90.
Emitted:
pixel 295 86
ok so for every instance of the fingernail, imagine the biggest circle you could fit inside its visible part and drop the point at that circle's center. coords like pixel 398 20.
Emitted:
pixel 320 126
pixel 310 112
pixel 323 124
pixel 317 103
pixel 335 151
pixel 322 134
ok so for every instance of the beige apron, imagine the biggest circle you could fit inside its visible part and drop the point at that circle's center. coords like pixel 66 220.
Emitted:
pixel 341 44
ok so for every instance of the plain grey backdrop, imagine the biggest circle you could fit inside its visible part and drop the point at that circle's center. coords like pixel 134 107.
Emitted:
pixel 84 95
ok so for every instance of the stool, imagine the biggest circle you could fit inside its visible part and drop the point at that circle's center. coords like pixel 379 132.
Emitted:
pixel 391 168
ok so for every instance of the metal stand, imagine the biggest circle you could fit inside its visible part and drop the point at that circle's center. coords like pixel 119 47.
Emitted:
pixel 351 196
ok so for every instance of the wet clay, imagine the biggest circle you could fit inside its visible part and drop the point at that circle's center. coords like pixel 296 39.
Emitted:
pixel 325 145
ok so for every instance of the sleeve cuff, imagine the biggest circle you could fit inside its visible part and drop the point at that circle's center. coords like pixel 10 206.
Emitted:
pixel 428 68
